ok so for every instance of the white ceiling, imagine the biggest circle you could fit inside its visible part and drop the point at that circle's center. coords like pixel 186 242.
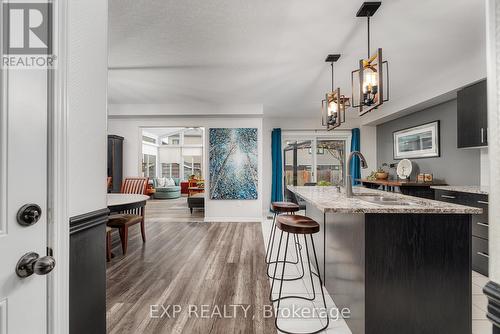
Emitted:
pixel 272 52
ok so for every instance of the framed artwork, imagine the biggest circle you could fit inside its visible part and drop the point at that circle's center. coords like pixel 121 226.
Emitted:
pixel 233 163
pixel 417 142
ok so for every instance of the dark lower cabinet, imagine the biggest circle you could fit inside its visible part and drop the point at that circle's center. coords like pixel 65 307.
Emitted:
pixel 87 273
pixel 480 255
pixel 480 224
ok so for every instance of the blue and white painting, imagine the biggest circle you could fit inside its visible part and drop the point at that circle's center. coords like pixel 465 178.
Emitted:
pixel 233 163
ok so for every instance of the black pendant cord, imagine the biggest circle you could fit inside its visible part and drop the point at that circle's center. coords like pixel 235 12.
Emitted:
pixel 368 17
pixel 332 76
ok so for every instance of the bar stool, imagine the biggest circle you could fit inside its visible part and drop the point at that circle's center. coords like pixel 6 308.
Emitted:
pixel 283 208
pixel 298 225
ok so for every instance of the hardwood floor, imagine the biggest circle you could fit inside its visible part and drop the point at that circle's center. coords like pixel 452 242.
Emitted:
pixel 188 264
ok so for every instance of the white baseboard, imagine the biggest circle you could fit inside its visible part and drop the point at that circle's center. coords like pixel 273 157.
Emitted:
pixel 233 219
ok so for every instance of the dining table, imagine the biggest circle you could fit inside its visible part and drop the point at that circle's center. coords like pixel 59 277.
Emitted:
pixel 123 202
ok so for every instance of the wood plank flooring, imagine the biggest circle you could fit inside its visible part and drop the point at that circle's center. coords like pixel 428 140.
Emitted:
pixel 188 264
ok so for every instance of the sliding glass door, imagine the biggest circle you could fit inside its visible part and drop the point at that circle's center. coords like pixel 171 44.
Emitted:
pixel 298 163
pixel 330 157
pixel 309 160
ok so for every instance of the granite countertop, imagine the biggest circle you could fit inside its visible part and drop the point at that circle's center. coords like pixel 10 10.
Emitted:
pixel 465 189
pixel 329 199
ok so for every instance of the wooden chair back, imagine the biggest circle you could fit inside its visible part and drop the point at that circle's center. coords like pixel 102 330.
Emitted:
pixel 110 182
pixel 134 185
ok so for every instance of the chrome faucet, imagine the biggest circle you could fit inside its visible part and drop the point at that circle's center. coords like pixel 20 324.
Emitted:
pixel 348 186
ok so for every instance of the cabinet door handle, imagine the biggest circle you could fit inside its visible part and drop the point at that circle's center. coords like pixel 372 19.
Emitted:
pixel 483 254
pixel 483 202
pixel 448 196
pixel 482 135
pixel 483 224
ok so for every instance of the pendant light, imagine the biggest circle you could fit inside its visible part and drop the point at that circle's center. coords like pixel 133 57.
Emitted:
pixel 371 79
pixel 334 104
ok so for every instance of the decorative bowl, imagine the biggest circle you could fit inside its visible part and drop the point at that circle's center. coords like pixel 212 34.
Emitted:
pixel 381 175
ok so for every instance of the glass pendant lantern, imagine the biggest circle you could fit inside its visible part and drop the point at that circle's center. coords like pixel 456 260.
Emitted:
pixel 334 105
pixel 371 79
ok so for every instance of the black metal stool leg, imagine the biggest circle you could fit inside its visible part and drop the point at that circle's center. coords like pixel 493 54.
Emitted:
pixel 276 267
pixel 320 286
pixel 310 269
pixel 298 252
pixel 281 281
pixel 270 249
pixel 271 235
pixel 312 283
pixel 296 238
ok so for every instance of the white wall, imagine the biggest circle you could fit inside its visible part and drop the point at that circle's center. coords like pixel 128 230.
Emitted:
pixel 234 210
pixel 493 61
pixel 485 167
pixel 87 80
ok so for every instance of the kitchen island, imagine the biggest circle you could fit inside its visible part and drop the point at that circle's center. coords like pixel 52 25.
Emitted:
pixel 401 264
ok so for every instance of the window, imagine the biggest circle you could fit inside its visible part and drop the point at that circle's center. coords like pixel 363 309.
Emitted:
pixel 171 140
pixel 177 152
pixel 147 139
pixel 170 170
pixel 317 160
pixel 193 140
pixel 192 166
pixel 149 165
pixel 330 163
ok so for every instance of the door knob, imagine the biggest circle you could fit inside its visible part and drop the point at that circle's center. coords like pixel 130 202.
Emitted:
pixel 31 263
pixel 29 214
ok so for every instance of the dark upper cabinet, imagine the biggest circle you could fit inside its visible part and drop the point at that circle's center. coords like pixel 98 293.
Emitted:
pixel 472 116
pixel 115 162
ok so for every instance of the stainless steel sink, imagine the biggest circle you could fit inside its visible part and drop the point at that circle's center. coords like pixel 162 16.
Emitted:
pixel 383 200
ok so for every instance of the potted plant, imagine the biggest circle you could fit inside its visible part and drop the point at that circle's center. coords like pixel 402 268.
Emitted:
pixel 324 184
pixel 381 174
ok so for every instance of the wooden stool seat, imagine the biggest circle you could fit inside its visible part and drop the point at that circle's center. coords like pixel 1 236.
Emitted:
pixel 297 224
pixel 285 207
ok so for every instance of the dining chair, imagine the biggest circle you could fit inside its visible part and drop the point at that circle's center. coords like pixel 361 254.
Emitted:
pixel 134 185
pixel 123 220
pixel 108 243
pixel 110 183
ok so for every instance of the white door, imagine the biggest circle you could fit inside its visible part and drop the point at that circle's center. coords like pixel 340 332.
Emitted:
pixel 23 180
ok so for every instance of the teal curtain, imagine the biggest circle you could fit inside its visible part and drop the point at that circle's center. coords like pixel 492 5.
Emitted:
pixel 277 165
pixel 355 164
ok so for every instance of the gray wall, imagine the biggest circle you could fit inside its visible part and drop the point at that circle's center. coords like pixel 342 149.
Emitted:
pixel 454 166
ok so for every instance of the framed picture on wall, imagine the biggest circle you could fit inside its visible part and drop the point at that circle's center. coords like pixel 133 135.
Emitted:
pixel 417 142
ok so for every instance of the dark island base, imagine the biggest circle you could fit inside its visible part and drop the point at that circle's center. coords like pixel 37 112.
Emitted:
pixel 418 274
pixel 399 273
